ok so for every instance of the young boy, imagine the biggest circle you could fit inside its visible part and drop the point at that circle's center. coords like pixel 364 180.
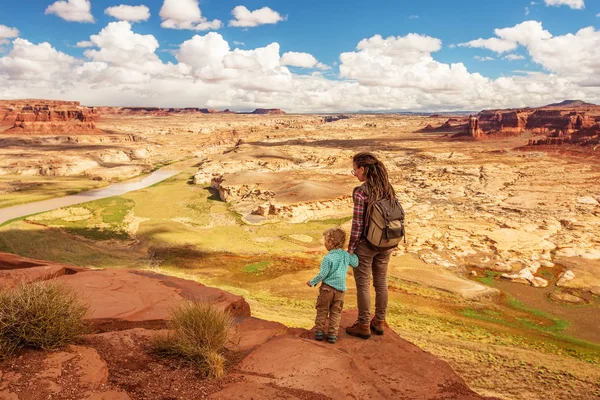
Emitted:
pixel 333 275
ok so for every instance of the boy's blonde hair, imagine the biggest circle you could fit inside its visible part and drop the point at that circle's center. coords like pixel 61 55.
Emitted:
pixel 335 238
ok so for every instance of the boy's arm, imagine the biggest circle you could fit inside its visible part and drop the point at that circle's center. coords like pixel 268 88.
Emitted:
pixel 353 260
pixel 325 267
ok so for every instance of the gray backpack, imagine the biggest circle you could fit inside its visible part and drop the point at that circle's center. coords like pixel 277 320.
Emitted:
pixel 385 227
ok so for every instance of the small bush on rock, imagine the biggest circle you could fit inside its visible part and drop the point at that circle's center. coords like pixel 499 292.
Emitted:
pixel 41 315
pixel 198 335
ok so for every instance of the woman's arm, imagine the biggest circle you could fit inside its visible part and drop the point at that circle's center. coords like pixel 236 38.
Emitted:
pixel 359 198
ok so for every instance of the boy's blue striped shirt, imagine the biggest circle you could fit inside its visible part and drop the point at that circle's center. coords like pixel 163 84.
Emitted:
pixel 334 268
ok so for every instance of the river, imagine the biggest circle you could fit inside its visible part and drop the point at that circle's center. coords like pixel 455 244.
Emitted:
pixel 116 189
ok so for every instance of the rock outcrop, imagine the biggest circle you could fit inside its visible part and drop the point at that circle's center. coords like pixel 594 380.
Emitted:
pixel 49 117
pixel 512 122
pixel 473 129
pixel 569 122
pixel 273 361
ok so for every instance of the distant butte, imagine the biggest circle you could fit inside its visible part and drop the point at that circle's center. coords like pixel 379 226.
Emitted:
pixel 572 103
pixel 275 111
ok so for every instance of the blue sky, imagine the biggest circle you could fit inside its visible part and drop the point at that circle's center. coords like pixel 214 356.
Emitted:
pixel 326 29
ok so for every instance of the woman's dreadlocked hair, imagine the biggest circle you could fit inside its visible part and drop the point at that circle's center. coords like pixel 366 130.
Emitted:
pixel 376 179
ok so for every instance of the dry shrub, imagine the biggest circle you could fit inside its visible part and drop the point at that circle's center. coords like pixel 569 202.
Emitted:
pixel 198 335
pixel 41 315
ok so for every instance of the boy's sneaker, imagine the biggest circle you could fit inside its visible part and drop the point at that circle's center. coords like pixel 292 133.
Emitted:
pixel 332 338
pixel 319 335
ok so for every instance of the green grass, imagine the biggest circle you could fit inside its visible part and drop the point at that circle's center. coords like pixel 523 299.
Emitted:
pixel 106 219
pixel 488 279
pixel 256 268
pixel 198 335
pixel 41 315
pixel 533 320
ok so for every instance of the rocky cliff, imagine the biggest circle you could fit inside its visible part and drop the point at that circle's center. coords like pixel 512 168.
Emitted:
pixel 268 361
pixel 571 122
pixel 48 117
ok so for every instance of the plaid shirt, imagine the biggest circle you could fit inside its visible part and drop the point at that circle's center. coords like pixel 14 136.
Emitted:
pixel 358 217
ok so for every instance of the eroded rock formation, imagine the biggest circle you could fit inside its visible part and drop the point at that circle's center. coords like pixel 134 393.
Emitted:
pixel 50 117
pixel 573 122
pixel 473 129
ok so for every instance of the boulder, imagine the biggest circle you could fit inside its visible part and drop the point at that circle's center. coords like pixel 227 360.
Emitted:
pixel 565 277
pixel 566 298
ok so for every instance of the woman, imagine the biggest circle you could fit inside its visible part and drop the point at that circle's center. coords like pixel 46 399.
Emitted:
pixel 376 186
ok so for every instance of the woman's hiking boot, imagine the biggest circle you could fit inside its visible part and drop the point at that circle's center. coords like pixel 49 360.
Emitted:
pixel 319 335
pixel 377 326
pixel 332 338
pixel 359 330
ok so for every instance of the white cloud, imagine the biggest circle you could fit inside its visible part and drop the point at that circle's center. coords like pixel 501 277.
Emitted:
pixel 239 43
pixel 28 61
pixel 322 67
pixel 85 43
pixel 185 14
pixel 481 59
pixel 247 19
pixel 494 44
pixel 72 10
pixel 574 4
pixel 129 13
pixel 396 73
pixel 509 39
pixel 575 56
pixel 513 57
pixel 5 34
pixel 413 17
pixel 526 11
pixel 294 59
pixel 123 56
pixel 403 62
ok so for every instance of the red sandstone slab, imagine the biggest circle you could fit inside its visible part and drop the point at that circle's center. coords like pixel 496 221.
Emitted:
pixel 143 297
pixel 252 332
pixel 383 367
pixel 11 278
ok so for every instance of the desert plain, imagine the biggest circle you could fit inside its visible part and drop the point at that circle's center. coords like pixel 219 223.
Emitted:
pixel 499 275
